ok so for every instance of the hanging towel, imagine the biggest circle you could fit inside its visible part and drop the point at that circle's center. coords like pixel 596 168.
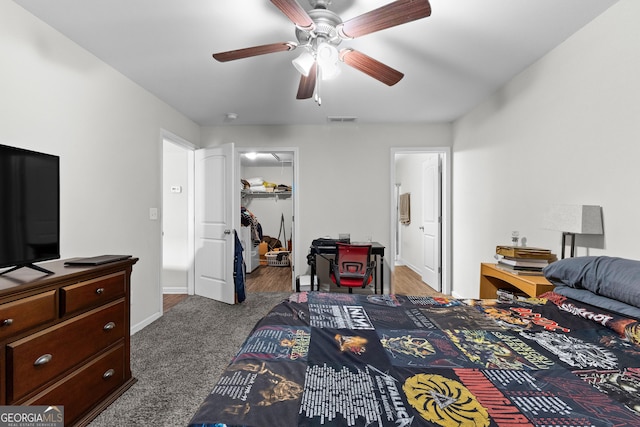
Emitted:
pixel 405 208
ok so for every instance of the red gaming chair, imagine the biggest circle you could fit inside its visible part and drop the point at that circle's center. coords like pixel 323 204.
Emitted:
pixel 352 266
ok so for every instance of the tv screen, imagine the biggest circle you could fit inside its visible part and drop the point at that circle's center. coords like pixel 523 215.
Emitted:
pixel 29 207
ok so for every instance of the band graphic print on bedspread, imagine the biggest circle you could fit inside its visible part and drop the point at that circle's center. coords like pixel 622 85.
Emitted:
pixel 386 360
pixel 276 342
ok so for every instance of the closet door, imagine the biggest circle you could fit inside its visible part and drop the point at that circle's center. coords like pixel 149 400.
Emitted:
pixel 215 223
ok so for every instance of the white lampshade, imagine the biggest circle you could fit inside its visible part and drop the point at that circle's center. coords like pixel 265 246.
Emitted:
pixel 578 219
pixel 303 63
pixel 328 60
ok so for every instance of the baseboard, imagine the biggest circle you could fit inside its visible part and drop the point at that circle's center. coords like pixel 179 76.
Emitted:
pixel 175 290
pixel 404 263
pixel 146 322
pixel 414 269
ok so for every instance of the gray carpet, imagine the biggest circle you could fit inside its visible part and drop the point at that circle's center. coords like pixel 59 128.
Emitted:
pixel 178 359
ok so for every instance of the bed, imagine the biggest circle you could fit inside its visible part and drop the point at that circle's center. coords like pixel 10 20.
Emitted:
pixel 327 359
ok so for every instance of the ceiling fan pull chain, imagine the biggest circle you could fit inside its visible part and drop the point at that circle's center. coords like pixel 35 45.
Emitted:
pixel 318 80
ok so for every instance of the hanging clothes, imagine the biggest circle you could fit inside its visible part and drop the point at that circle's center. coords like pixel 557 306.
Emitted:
pixel 238 270
pixel 248 219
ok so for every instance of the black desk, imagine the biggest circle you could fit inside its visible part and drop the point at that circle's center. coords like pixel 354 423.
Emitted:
pixel 376 250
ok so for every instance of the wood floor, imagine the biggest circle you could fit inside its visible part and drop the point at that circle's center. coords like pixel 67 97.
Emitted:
pixel 169 300
pixel 278 279
pixel 405 281
pixel 269 279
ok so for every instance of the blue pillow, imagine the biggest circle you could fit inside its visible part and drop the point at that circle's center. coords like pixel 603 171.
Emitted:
pixel 612 277
pixel 569 271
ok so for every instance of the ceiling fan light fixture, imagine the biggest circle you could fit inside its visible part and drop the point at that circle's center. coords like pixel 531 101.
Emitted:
pixel 320 31
pixel 303 63
pixel 330 72
pixel 328 57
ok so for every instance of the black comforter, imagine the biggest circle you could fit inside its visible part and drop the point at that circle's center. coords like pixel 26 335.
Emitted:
pixel 321 359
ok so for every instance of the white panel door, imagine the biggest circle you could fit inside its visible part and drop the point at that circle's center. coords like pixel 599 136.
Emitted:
pixel 431 220
pixel 214 223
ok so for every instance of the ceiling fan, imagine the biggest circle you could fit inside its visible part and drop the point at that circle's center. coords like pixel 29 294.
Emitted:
pixel 320 31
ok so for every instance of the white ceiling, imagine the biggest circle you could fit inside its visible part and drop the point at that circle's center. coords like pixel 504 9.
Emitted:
pixel 452 60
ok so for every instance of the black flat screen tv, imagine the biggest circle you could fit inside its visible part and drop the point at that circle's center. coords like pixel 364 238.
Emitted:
pixel 29 208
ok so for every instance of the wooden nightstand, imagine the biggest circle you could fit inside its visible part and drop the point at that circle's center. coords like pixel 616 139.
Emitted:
pixel 492 278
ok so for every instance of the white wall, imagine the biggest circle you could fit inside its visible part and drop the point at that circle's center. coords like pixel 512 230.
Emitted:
pixel 58 98
pixel 566 130
pixel 344 174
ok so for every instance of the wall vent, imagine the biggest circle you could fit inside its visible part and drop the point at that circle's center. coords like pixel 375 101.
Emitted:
pixel 342 119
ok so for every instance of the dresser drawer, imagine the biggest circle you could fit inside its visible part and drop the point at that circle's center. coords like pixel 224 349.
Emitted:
pixel 20 315
pixel 92 293
pixel 39 358
pixel 83 388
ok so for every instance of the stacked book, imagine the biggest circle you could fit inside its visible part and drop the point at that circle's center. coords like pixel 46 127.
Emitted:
pixel 522 260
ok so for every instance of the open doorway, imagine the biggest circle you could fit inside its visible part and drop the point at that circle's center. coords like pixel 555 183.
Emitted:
pixel 268 205
pixel 176 275
pixel 420 213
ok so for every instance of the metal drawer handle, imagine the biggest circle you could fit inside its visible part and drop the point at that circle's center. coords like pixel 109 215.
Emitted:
pixel 100 291
pixel 108 374
pixel 43 360
pixel 6 322
pixel 109 326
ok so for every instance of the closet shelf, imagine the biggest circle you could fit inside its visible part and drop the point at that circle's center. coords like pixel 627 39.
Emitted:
pixel 264 195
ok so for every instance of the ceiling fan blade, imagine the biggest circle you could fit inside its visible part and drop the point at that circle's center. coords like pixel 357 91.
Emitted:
pixel 396 13
pixel 253 51
pixel 295 13
pixel 370 66
pixel 307 83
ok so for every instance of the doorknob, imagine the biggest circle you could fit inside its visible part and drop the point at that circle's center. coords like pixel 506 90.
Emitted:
pixel 421 228
pixel 227 231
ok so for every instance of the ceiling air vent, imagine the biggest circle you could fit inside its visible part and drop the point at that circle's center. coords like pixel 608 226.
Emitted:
pixel 342 119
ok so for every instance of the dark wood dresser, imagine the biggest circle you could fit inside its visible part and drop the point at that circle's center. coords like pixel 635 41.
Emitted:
pixel 65 337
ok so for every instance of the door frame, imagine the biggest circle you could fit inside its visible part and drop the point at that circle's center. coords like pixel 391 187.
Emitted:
pixel 294 194
pixel 445 152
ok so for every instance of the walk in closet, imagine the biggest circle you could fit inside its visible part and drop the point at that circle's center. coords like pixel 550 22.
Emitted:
pixel 266 205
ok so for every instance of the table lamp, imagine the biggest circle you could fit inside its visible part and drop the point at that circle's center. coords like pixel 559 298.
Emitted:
pixel 572 220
